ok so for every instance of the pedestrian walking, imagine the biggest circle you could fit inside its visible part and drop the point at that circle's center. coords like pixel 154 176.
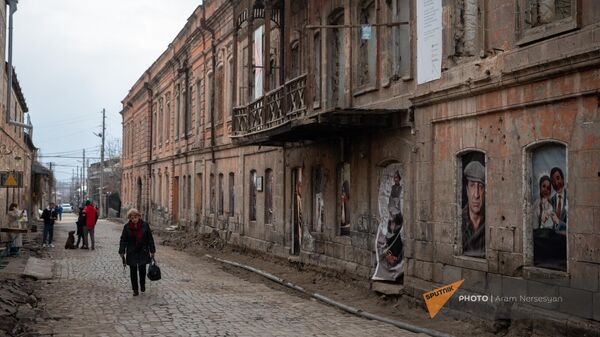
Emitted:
pixel 137 249
pixel 59 212
pixel 91 217
pixel 80 224
pixel 49 217
pixel 14 221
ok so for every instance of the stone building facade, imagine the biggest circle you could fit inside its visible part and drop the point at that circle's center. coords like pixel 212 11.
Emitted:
pixel 303 129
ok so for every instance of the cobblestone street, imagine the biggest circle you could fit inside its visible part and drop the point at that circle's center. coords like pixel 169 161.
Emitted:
pixel 91 295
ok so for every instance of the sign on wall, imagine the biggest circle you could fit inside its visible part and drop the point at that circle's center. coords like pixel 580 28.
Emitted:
pixel 429 40
pixel 11 179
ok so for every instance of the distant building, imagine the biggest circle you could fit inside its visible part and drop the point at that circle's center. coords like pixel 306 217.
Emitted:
pixel 112 182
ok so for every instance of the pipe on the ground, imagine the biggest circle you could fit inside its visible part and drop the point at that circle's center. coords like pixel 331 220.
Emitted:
pixel 352 310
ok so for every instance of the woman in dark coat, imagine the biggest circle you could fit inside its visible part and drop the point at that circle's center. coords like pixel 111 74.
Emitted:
pixel 137 248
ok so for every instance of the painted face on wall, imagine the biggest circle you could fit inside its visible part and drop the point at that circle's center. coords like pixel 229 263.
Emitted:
pixel 557 181
pixel 475 196
pixel 545 189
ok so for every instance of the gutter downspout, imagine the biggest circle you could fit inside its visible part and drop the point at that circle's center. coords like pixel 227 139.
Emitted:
pixel 12 8
pixel 212 94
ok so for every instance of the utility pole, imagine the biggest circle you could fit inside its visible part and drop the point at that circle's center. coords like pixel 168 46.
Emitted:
pixel 101 194
pixel 51 182
pixel 83 181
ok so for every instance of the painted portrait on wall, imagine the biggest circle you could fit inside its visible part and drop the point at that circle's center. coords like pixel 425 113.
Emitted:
pixel 549 206
pixel 390 233
pixel 473 204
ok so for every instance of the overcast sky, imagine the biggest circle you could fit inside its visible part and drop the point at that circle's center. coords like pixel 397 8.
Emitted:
pixel 75 57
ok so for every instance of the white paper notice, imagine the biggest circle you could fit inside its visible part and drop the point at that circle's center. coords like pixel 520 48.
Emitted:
pixel 429 40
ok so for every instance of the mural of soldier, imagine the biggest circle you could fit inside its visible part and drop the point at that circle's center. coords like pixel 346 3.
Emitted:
pixel 549 207
pixel 473 212
pixel 390 233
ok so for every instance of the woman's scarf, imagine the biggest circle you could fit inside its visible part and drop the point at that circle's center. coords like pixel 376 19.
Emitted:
pixel 136 232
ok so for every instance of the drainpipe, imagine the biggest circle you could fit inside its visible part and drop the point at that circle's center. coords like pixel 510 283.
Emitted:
pixel 212 94
pixel 12 8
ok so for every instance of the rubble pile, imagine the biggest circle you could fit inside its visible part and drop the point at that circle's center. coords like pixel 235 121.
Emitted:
pixel 18 307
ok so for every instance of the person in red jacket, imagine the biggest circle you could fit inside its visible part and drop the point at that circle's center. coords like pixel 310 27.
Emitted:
pixel 91 217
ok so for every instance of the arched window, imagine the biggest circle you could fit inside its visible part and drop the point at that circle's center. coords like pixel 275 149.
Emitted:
pixel 268 196
pixel 473 183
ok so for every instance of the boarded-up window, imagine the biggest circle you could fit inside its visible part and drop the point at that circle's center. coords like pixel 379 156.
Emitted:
pixel 268 196
pixel 336 59
pixel 231 194
pixel 367 43
pixel 252 196
pixel 213 192
pixel 317 68
pixel 221 196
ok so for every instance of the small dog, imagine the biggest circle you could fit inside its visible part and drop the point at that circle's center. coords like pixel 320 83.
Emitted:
pixel 70 241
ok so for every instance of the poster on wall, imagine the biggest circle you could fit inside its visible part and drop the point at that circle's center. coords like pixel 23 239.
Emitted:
pixel 429 40
pixel 344 176
pixel 549 207
pixel 390 233
pixel 473 204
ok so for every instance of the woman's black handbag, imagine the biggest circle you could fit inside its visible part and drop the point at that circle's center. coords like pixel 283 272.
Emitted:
pixel 153 271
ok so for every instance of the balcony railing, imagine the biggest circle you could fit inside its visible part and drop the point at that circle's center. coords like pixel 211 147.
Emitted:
pixel 276 108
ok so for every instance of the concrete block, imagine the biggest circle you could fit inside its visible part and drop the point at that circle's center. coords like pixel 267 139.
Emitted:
pixel 502 239
pixel 576 302
pixel 510 264
pixel 471 263
pixel 596 309
pixel 475 280
pixel 445 233
pixel 387 288
pixel 452 274
pixel 494 284
pixel 38 269
pixel 423 231
pixel 410 267
pixel 538 289
pixel 584 247
pixel 438 273
pixel 424 250
pixel 424 270
pixel 584 276
pixel 492 257
pixel 444 253
pixel 409 248
pixel 513 286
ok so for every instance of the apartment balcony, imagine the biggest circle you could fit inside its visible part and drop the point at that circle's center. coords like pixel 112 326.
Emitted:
pixel 283 115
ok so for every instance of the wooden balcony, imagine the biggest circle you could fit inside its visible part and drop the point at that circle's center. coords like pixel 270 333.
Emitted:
pixel 278 107
pixel 282 116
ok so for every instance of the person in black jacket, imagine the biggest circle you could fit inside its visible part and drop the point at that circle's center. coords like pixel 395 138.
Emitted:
pixel 137 248
pixel 80 224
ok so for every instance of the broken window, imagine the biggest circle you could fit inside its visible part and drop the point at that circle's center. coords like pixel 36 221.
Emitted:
pixel 198 188
pixel 268 196
pixel 467 28
pixel 252 196
pixel 230 88
pixel 319 199
pixel 221 195
pixel 231 194
pixel 208 99
pixel 549 206
pixel 198 109
pixel 220 95
pixel 336 59
pixel 295 58
pixel 177 110
pixel 473 180
pixel 317 69
pixel 189 192
pixel 539 19
pixel 161 127
pixel 367 44
pixel 168 117
pixel 541 12
pixel 396 54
